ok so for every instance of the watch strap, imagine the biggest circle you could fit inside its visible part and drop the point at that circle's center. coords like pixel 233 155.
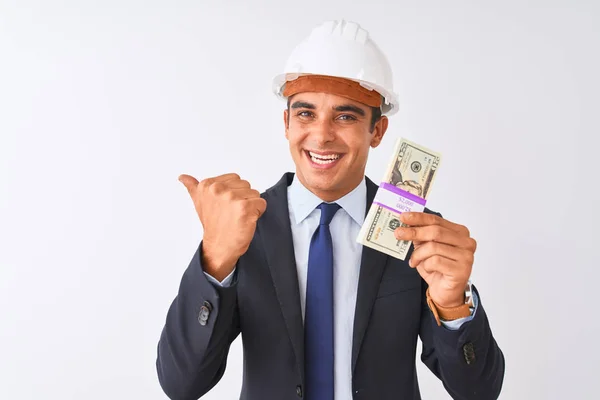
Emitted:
pixel 447 313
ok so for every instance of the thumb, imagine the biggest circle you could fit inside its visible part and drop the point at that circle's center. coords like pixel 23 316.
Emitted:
pixel 189 182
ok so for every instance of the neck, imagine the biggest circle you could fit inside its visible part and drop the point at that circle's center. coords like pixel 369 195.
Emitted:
pixel 333 194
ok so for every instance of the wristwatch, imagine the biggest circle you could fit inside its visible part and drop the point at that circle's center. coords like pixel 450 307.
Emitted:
pixel 469 295
pixel 452 313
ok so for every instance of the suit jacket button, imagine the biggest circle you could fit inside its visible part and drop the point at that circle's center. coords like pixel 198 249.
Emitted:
pixel 469 353
pixel 299 390
pixel 203 316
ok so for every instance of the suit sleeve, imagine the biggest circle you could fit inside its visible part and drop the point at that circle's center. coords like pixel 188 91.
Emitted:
pixel 468 360
pixel 201 324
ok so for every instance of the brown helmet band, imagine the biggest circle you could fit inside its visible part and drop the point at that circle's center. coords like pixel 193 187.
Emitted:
pixel 329 84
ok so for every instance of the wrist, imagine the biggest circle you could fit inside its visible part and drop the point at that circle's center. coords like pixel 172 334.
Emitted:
pixel 217 266
pixel 451 302
pixel 452 308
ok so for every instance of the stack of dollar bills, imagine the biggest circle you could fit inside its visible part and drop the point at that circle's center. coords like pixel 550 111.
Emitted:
pixel 405 187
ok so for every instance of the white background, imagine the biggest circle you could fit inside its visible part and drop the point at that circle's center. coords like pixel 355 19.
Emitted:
pixel 103 104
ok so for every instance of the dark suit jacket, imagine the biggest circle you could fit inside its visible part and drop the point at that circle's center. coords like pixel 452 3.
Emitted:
pixel 263 304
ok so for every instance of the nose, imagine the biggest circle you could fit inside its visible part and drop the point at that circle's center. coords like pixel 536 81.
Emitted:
pixel 323 131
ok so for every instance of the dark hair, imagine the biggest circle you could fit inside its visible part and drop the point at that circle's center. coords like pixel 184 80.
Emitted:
pixel 375 115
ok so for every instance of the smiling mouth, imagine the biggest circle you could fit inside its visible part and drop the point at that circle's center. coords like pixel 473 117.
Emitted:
pixel 323 159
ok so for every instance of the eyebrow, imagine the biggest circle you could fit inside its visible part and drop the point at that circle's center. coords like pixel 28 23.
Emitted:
pixel 303 104
pixel 350 107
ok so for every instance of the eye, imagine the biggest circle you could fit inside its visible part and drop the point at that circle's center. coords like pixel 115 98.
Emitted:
pixel 347 117
pixel 305 114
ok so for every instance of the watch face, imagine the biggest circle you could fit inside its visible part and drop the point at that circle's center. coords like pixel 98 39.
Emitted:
pixel 469 295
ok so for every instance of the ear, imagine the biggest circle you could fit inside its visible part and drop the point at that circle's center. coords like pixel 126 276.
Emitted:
pixel 286 122
pixel 379 130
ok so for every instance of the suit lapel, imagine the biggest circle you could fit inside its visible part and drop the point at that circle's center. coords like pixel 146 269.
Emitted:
pixel 276 232
pixel 371 270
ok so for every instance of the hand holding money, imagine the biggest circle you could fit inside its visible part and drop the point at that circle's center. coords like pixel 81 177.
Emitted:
pixel 443 255
pixel 405 186
pixel 228 209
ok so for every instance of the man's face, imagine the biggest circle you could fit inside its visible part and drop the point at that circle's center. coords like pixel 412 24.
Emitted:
pixel 329 138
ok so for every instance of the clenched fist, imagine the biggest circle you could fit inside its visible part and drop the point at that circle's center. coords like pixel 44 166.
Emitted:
pixel 228 209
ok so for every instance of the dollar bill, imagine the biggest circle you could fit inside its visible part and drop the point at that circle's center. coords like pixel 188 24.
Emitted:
pixel 412 169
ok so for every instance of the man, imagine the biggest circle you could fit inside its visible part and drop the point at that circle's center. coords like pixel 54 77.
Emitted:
pixel 321 316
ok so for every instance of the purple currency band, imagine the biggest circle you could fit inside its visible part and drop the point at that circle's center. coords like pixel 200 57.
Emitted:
pixel 397 200
pixel 403 193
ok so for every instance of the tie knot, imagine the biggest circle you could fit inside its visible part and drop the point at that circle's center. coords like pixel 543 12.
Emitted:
pixel 328 210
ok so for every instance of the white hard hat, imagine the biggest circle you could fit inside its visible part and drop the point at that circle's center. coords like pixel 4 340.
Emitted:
pixel 344 50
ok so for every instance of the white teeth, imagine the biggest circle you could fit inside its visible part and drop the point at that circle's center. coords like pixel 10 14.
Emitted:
pixel 319 161
pixel 322 157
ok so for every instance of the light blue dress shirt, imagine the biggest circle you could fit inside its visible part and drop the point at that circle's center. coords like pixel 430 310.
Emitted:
pixel 304 219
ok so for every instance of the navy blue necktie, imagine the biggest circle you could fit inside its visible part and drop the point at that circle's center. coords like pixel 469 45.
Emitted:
pixel 318 319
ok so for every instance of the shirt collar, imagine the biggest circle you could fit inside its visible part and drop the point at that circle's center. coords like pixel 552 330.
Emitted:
pixel 303 201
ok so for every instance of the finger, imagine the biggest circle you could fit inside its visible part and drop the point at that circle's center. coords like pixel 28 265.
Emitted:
pixel 440 264
pixel 189 182
pixel 245 193
pixel 237 184
pixel 226 177
pixel 424 219
pixel 430 249
pixel 416 245
pixel 434 233
pixel 258 206
pixel 221 178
